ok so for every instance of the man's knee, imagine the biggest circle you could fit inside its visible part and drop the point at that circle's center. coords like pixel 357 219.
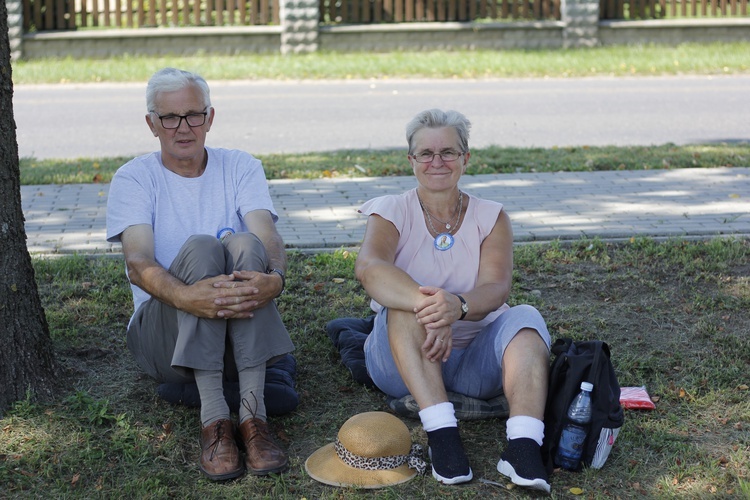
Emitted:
pixel 247 252
pixel 247 242
pixel 201 256
pixel 202 244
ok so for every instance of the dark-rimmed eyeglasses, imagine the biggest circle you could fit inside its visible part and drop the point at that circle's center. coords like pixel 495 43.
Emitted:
pixel 174 121
pixel 428 156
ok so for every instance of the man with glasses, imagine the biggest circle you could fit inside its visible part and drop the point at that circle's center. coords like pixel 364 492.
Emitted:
pixel 205 263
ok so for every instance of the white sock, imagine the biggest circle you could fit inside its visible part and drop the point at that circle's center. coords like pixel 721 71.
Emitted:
pixel 522 426
pixel 438 416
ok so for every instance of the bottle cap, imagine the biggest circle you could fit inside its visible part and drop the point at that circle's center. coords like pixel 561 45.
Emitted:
pixel 587 386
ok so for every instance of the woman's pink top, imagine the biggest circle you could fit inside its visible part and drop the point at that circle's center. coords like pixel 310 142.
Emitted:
pixel 455 270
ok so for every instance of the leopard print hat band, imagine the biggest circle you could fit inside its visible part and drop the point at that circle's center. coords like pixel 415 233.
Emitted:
pixel 413 459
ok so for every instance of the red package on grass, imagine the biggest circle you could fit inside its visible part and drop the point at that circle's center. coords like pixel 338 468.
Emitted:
pixel 636 398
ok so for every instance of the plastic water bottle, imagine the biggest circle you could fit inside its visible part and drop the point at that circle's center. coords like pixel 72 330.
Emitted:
pixel 570 448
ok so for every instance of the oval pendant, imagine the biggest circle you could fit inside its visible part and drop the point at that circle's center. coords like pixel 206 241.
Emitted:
pixel 443 241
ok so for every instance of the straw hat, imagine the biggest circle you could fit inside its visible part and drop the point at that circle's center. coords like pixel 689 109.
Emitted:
pixel 373 450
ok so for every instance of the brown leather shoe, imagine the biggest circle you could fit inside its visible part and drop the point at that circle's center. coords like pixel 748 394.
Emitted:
pixel 220 458
pixel 262 455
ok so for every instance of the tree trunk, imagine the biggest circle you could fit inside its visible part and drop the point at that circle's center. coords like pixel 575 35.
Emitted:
pixel 26 359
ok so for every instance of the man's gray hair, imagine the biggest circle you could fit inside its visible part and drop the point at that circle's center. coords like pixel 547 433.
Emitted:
pixel 171 80
pixel 437 118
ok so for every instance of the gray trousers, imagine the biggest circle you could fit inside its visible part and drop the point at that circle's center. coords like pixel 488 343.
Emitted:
pixel 168 343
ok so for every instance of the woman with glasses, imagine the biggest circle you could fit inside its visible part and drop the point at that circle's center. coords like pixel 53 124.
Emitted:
pixel 438 263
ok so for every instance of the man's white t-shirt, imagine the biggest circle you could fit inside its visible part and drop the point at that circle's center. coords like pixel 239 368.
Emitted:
pixel 143 191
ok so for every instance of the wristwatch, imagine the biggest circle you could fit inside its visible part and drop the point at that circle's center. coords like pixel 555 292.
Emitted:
pixel 464 307
pixel 283 278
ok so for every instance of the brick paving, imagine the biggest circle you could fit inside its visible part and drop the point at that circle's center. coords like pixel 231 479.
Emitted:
pixel 322 214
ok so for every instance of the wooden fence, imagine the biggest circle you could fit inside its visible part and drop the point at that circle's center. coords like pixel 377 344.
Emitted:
pixel 672 9
pixel 386 11
pixel 45 15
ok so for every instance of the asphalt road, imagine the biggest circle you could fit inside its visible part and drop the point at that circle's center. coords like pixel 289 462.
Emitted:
pixel 93 120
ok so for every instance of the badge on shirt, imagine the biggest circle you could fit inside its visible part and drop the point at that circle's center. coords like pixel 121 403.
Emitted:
pixel 443 241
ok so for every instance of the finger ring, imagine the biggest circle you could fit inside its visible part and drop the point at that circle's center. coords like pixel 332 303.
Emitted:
pixel 441 340
pixel 234 285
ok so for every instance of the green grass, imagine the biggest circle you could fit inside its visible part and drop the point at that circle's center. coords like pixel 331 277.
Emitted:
pixel 378 163
pixel 673 312
pixel 649 60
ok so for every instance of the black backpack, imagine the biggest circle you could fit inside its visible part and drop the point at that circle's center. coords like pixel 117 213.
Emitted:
pixel 576 362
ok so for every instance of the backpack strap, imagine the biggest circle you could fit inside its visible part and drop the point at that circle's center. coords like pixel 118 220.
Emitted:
pixel 561 346
pixel 599 360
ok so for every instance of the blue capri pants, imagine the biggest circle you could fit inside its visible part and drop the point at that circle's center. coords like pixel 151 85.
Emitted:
pixel 474 371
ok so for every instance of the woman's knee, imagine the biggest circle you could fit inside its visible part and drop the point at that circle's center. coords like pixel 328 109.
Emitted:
pixel 527 311
pixel 531 339
pixel 531 319
pixel 403 323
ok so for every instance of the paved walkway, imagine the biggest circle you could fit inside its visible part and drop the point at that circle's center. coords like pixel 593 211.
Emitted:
pixel 322 214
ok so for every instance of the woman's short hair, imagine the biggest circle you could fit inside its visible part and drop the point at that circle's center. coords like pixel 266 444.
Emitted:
pixel 437 118
pixel 171 80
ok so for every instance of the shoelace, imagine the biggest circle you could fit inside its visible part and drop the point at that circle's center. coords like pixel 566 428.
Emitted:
pixel 219 435
pixel 246 404
pixel 257 428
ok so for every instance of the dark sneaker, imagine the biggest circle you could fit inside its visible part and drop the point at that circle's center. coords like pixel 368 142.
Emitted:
pixel 522 463
pixel 449 462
